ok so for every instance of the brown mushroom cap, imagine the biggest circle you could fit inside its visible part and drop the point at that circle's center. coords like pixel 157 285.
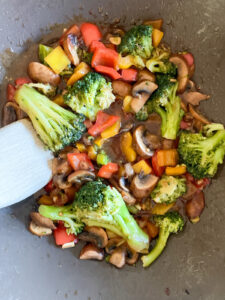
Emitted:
pixel 128 198
pixel 118 257
pixel 146 75
pixel 39 230
pixel 42 221
pixel 139 101
pixel 41 73
pixel 61 182
pixel 113 243
pixel 121 88
pixel 142 186
pixel 94 235
pixel 81 176
pixel 194 98
pixel 70 45
pixel 183 72
pixel 91 252
pixel 131 256
pixel 151 140
pixel 195 206
pixel 141 147
pixel 12 113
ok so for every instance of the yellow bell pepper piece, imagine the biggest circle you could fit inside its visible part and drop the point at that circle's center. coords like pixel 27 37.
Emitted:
pixel 126 147
pixel 142 166
pixel 92 153
pixel 121 171
pixel 99 142
pixel 80 71
pixel 125 62
pixel 161 208
pixel 59 100
pixel 155 23
pixel 45 200
pixel 111 131
pixel 126 104
pixel 178 170
pixel 57 60
pixel 81 147
pixel 157 36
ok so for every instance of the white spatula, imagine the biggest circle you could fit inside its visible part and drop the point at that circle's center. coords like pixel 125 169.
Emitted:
pixel 25 164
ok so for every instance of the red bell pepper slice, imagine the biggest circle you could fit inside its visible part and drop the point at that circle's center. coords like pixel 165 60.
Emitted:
pixel 96 45
pixel 158 171
pixel 108 170
pixel 10 92
pixel 103 121
pixel 74 29
pixel 105 57
pixel 22 80
pixel 62 237
pixel 129 74
pixel 80 161
pixel 90 32
pixel 49 186
pixel 112 73
pixel 189 58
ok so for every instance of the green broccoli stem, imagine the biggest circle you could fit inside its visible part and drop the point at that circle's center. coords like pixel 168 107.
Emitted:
pixel 64 213
pixel 158 249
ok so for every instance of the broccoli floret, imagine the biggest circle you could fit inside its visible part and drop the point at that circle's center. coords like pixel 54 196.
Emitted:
pixel 169 189
pixel 56 126
pixel 165 103
pixel 137 42
pixel 97 204
pixel 85 56
pixel 202 154
pixel 47 89
pixel 89 95
pixel 171 222
pixel 142 115
pixel 159 62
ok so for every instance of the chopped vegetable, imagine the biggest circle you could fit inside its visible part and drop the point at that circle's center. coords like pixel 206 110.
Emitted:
pixel 174 171
pixel 59 100
pixel 73 29
pixel 102 158
pixel 127 104
pixel 111 131
pixel 89 95
pixel 80 161
pixel 96 45
pixel 129 74
pixel 167 158
pixel 46 89
pixel 99 205
pixel 158 171
pixel 161 208
pixel 108 170
pixel 103 121
pixel 157 36
pixel 92 153
pixel 127 147
pixel 168 189
pixel 170 223
pixel 22 80
pixel 108 71
pixel 80 71
pixel 90 32
pixel 105 57
pixel 142 167
pixel 49 186
pixel 10 92
pixel 43 51
pixel 155 23
pixel 81 147
pixel 56 126
pixel 62 237
pixel 57 60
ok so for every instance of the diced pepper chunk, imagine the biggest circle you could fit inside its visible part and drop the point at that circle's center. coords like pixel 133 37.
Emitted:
pixel 57 60
pixel 142 166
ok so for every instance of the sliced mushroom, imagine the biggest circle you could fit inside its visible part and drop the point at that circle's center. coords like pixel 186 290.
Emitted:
pixel 113 244
pixel 118 257
pixel 131 256
pixel 151 140
pixel 128 198
pixel 183 106
pixel 81 176
pixel 122 183
pixel 121 88
pixel 61 166
pixel 59 197
pixel 146 75
pixel 94 235
pixel 42 221
pixel 12 113
pixel 194 98
pixel 191 190
pixel 91 252
pixel 197 115
pixel 195 206
pixel 41 73
pixel 39 230
pixel 141 186
pixel 87 139
pixel 183 72
pixel 141 91
pixel 70 45
pixel 61 182
pixel 142 149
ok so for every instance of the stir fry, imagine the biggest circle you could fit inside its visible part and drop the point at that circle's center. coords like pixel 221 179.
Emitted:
pixel 133 153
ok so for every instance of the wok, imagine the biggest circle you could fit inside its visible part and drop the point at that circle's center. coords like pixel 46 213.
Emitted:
pixel 193 265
